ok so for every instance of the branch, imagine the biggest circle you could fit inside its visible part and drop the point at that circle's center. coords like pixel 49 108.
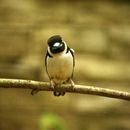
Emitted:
pixel 45 86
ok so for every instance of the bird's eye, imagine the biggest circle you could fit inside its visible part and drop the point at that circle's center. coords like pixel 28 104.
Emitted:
pixel 56 44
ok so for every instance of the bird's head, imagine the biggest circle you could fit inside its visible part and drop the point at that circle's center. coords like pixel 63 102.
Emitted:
pixel 56 44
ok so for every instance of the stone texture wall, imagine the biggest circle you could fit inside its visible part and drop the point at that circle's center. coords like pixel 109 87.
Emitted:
pixel 98 31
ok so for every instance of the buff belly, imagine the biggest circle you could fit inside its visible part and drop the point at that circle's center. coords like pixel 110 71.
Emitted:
pixel 60 67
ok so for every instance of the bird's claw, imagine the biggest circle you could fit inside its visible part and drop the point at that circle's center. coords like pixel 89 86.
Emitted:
pixel 72 83
pixel 52 84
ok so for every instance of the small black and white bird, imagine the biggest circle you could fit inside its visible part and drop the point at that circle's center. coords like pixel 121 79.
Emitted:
pixel 59 63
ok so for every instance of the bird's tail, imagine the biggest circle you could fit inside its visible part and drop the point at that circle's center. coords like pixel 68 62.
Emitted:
pixel 58 93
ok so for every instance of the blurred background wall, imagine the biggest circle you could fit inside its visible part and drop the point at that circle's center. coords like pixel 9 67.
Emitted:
pixel 98 31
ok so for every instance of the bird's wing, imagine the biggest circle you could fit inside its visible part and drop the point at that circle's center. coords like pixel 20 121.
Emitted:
pixel 47 56
pixel 72 53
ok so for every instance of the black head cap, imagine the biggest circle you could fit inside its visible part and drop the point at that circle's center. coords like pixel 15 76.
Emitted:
pixel 54 39
pixel 56 44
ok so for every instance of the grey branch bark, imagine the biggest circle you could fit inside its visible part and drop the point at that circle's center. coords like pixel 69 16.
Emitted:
pixel 81 89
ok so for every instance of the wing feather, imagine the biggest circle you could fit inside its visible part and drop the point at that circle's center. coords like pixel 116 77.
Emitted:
pixel 47 56
pixel 72 53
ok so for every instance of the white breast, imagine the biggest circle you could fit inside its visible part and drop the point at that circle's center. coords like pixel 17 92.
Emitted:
pixel 60 67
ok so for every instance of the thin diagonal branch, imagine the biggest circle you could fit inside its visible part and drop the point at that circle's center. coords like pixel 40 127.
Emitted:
pixel 81 89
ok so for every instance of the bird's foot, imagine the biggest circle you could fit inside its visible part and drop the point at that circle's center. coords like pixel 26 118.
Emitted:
pixel 72 83
pixel 52 84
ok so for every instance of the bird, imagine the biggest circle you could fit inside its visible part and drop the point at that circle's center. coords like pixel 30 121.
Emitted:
pixel 59 63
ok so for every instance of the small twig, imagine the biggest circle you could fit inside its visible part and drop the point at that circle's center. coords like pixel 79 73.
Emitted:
pixel 45 86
